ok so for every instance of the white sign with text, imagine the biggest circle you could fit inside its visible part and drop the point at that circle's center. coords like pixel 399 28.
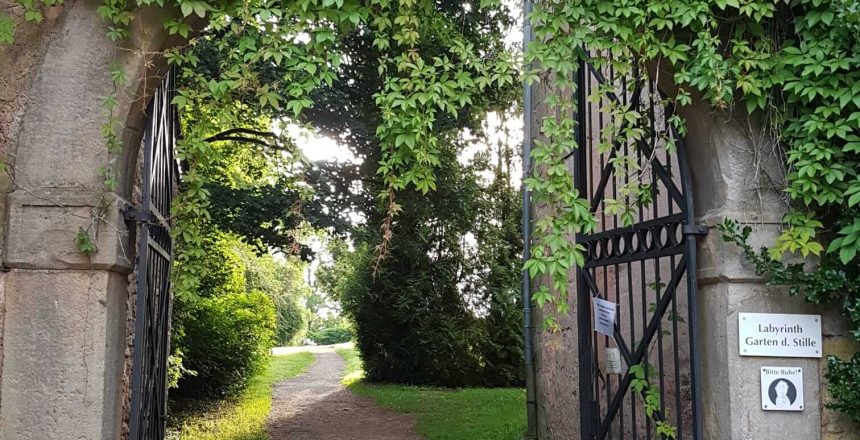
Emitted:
pixel 604 317
pixel 782 388
pixel 779 335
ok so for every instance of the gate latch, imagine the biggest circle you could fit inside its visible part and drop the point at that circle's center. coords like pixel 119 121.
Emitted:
pixel 700 230
pixel 132 214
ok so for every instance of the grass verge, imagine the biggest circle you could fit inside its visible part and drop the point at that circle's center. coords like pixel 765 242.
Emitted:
pixel 242 417
pixel 444 414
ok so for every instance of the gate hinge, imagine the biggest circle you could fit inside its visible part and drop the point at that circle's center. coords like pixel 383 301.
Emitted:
pixel 132 214
pixel 695 230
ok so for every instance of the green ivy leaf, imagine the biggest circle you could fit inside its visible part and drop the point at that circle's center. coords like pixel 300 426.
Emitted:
pixel 7 30
pixel 85 243
pixel 847 253
pixel 33 15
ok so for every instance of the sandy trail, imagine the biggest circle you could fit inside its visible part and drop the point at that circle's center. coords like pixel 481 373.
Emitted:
pixel 315 406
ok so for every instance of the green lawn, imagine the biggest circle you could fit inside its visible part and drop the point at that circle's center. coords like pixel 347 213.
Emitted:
pixel 242 417
pixel 472 413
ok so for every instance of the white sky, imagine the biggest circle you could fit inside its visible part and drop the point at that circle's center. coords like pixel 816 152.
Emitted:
pixel 318 148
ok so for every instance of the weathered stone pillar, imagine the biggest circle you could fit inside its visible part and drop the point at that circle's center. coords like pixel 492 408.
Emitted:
pixel 736 174
pixel 556 353
pixel 64 332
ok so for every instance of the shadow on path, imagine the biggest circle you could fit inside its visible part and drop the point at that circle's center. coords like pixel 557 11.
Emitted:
pixel 315 406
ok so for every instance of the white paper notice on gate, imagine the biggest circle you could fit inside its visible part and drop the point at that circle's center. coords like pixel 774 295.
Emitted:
pixel 604 317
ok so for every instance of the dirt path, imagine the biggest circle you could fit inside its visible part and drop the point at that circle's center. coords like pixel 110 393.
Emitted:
pixel 315 406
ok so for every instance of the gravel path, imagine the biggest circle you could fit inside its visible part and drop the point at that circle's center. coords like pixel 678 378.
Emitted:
pixel 315 406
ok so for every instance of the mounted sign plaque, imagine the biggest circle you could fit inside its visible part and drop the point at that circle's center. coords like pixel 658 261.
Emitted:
pixel 779 335
pixel 782 388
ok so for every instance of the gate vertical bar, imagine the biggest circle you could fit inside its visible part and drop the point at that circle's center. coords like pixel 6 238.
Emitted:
pixel 586 390
pixel 692 300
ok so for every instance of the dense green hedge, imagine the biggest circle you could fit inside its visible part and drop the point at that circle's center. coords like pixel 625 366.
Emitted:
pixel 437 312
pixel 227 339
pixel 418 330
pixel 332 335
pixel 843 377
pixel 414 332
pixel 246 303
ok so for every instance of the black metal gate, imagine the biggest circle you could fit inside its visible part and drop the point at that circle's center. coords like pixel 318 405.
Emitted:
pixel 154 257
pixel 642 259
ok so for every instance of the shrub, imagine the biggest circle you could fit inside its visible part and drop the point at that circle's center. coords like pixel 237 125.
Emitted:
pixel 413 325
pixel 438 311
pixel 246 302
pixel 226 340
pixel 843 377
pixel 502 344
pixel 284 282
pixel 291 322
pixel 332 335
pixel 415 329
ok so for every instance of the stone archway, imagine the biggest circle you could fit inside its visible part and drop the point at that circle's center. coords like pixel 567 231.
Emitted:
pixel 63 315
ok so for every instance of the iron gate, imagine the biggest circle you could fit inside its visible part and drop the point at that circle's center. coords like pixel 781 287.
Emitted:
pixel 642 258
pixel 154 257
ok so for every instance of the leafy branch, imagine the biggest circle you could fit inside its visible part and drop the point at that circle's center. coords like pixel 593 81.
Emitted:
pixel 243 135
pixel 641 384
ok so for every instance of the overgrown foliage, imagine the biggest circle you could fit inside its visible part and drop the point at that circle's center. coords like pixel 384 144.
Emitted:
pixel 421 303
pixel 843 379
pixel 248 65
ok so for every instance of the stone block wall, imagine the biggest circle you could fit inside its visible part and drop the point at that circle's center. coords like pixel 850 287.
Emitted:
pixel 65 338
